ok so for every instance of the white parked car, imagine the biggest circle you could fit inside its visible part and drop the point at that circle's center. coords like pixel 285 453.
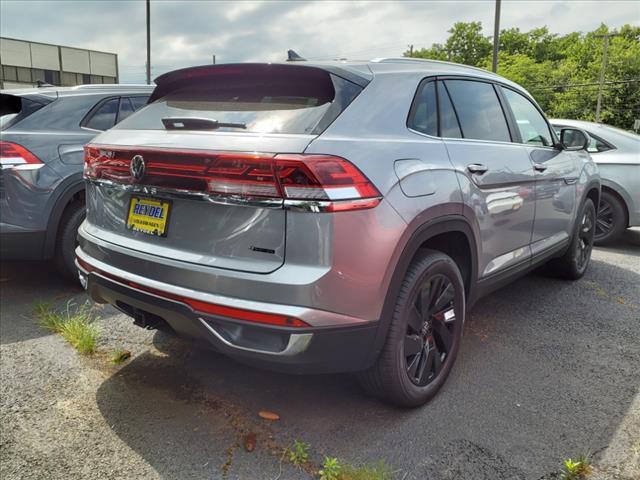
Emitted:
pixel 617 153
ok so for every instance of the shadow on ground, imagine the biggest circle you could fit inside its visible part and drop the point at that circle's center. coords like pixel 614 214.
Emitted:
pixel 547 371
pixel 22 285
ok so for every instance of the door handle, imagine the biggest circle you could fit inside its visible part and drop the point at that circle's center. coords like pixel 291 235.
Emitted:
pixel 538 167
pixel 477 168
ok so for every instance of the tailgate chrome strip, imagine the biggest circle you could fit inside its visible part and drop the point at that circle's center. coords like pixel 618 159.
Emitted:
pixel 259 202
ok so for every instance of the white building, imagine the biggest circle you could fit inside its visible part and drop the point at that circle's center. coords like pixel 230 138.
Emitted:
pixel 24 64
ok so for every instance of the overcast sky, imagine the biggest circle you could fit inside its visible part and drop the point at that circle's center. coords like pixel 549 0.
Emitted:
pixel 188 32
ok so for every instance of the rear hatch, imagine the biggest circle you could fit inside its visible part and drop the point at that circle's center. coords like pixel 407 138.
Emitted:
pixel 192 176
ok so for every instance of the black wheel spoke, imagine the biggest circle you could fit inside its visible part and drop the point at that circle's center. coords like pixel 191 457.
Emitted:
pixel 442 335
pixel 423 299
pixel 412 345
pixel 431 323
pixel 435 291
pixel 425 361
pixel 437 360
pixel 443 300
pixel 412 366
pixel 603 223
pixel 415 320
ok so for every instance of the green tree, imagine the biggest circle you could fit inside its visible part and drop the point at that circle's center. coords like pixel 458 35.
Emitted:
pixel 561 72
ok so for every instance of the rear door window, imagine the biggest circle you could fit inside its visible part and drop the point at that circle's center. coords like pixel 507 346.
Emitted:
pixel 126 109
pixel 478 110
pixel 104 116
pixel 449 126
pixel 294 104
pixel 138 101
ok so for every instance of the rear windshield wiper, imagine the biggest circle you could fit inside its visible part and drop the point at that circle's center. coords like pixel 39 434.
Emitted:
pixel 195 123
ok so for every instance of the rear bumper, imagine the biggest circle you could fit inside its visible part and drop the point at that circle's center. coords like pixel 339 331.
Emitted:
pixel 320 349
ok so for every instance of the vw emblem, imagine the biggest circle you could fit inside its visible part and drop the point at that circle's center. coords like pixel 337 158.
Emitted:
pixel 137 167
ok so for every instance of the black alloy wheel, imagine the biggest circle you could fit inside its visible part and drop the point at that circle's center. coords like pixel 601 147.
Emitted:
pixel 429 337
pixel 605 220
pixel 585 238
pixel 611 221
pixel 424 334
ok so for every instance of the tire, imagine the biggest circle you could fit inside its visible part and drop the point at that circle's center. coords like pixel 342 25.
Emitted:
pixel 611 221
pixel 66 240
pixel 575 260
pixel 395 376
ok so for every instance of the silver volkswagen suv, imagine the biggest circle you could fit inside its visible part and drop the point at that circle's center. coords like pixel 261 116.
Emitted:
pixel 332 217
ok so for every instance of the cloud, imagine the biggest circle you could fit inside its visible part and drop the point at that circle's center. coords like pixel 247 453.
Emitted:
pixel 188 32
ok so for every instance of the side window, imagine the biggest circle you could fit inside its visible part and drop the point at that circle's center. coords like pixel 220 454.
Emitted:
pixel 138 102
pixel 597 144
pixel 531 124
pixel 449 126
pixel 125 110
pixel 105 116
pixel 424 111
pixel 479 111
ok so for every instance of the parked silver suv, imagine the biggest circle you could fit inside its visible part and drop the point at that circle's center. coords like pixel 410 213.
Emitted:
pixel 325 217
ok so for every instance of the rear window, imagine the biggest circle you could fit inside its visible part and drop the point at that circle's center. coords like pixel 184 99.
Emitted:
pixel 296 104
pixel 14 108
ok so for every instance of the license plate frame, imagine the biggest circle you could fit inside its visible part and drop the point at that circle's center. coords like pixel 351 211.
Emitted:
pixel 145 223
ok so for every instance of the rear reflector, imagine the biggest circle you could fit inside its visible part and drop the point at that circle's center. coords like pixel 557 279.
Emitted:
pixel 315 178
pixel 17 157
pixel 205 307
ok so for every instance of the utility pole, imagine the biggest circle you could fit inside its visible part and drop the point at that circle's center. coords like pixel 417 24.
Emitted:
pixel 496 38
pixel 214 59
pixel 148 42
pixel 605 47
pixel 411 50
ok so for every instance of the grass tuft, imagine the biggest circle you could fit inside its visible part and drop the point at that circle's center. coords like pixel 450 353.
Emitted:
pixel 576 469
pixel 75 325
pixel 120 356
pixel 331 469
pixel 377 471
pixel 298 452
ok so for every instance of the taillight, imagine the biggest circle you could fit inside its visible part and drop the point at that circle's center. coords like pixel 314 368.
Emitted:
pixel 17 157
pixel 323 182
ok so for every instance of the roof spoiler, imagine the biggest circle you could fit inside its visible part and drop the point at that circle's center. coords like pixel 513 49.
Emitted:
pixel 177 79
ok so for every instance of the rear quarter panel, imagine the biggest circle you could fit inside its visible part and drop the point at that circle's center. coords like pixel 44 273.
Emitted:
pixel 372 133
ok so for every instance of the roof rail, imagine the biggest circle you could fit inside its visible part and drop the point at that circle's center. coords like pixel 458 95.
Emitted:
pixel 425 60
pixel 107 86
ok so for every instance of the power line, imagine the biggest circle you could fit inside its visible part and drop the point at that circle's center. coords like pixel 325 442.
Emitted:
pixel 594 84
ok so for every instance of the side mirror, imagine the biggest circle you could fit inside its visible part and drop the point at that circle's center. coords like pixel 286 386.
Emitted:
pixel 573 139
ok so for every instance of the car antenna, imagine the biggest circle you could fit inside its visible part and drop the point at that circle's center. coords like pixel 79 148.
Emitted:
pixel 292 56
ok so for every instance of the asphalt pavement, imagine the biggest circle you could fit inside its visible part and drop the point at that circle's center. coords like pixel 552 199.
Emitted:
pixel 548 369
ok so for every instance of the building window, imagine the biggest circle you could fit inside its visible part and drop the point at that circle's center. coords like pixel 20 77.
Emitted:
pixel 68 79
pixel 86 79
pixel 37 75
pixel 24 74
pixel 52 77
pixel 10 73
